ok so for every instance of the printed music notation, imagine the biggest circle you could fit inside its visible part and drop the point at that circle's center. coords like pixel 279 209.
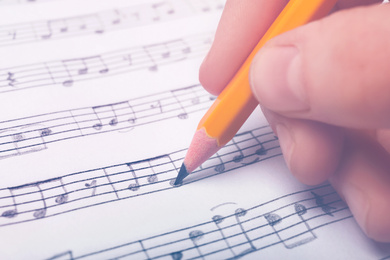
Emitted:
pixel 232 232
pixel 32 201
pixel 34 133
pixel 68 71
pixel 98 23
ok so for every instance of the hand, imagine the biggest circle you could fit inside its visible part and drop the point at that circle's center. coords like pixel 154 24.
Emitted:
pixel 325 90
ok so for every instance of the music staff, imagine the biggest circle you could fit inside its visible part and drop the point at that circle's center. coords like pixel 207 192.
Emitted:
pixel 112 183
pixel 233 232
pixel 33 134
pixel 69 71
pixel 105 21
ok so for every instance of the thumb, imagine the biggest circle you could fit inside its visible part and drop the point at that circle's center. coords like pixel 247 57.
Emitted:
pixel 334 70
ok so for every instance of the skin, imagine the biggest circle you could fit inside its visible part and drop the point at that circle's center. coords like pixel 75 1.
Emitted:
pixel 325 90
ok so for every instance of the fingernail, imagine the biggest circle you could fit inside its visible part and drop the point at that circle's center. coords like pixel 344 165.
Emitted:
pixel 277 80
pixel 286 142
pixel 358 203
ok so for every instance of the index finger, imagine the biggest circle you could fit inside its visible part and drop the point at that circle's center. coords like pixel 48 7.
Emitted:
pixel 242 25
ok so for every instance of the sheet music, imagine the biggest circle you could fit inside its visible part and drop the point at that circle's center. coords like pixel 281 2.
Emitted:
pixel 99 101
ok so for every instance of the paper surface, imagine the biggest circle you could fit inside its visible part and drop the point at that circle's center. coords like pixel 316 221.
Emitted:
pixel 99 101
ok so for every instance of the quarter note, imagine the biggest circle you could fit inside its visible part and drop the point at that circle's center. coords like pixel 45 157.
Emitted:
pixel 195 236
pixel 133 186
pixel 11 213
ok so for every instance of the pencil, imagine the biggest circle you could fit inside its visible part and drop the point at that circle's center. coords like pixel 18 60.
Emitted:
pixel 236 102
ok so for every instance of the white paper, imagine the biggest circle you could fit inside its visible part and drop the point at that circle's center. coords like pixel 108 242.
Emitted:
pixel 99 101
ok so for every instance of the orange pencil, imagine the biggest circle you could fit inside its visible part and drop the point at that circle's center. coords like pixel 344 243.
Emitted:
pixel 236 102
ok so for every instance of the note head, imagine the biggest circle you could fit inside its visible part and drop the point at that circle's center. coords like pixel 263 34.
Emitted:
pixel 183 116
pixel 186 50
pixel 152 178
pixel 195 101
pixel 273 219
pixel 10 213
pixel 240 212
pixel 46 132
pixel 217 219
pixel 113 122
pixel 98 126
pixel 133 187
pixel 166 55
pixel 196 235
pixel 40 213
pixel 177 255
pixel 153 68
pixel 83 71
pixel 67 83
pixel 300 209
pixel 238 158
pixel 62 199
pixel 219 168
pixel 261 151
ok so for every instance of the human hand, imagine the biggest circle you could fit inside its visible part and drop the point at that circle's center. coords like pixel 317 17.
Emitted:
pixel 325 90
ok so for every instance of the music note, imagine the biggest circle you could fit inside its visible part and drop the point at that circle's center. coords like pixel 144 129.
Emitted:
pixel 195 236
pixel 157 105
pixel 28 191
pixel 11 213
pixel 53 26
pixel 116 19
pixel 92 185
pixel 63 197
pixel 178 97
pixel 231 229
pixel 153 67
pixel 324 207
pixel 237 158
pixel 133 186
pixel 45 132
pixel 29 139
pixel 177 255
pixel 239 213
pixel 161 9
pixel 293 231
pixel 220 167
pixel 68 82
pixel 248 155
pixel 105 113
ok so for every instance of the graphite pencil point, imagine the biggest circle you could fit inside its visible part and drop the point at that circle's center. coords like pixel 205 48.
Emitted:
pixel 182 174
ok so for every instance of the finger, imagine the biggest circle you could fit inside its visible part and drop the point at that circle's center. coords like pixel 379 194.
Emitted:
pixel 334 70
pixel 363 180
pixel 383 137
pixel 311 150
pixel 241 26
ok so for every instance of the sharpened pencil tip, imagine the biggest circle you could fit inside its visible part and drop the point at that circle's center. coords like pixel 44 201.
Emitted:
pixel 182 174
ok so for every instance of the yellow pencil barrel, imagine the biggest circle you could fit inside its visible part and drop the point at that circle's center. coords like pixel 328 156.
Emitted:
pixel 236 102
